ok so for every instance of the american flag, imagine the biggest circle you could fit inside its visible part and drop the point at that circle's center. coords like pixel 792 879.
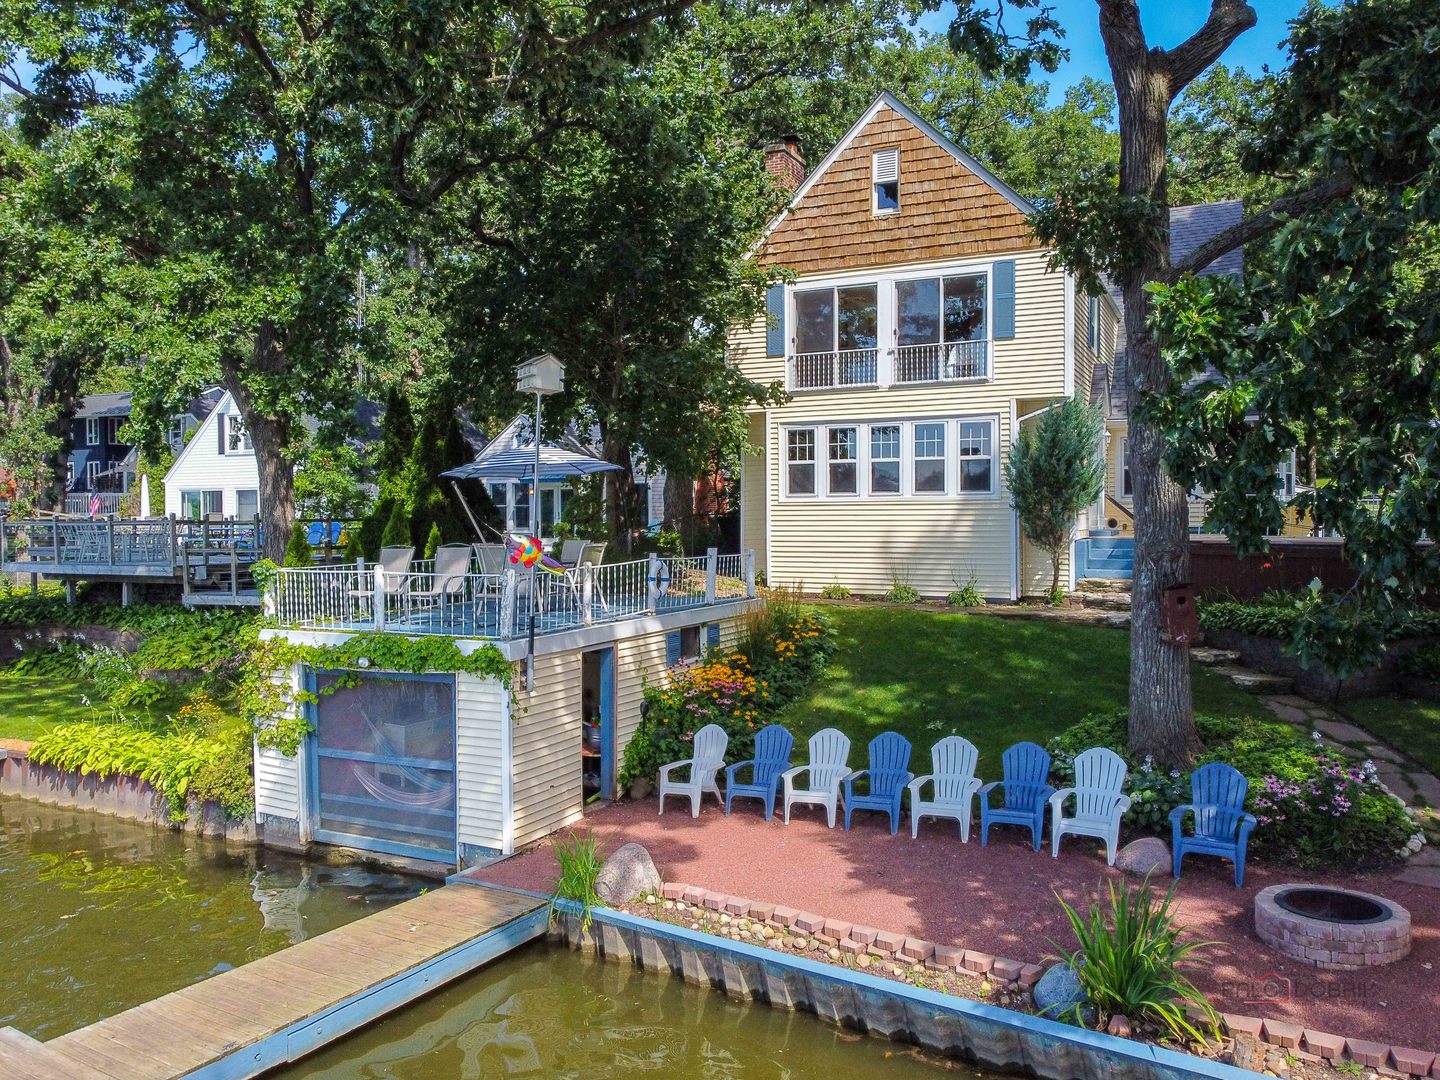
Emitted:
pixel 94 503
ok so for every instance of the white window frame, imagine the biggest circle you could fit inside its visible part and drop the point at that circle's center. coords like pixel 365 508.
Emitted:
pixel 985 271
pixel 884 169
pixel 179 427
pixel 901 427
pixel 912 458
pixel 994 424
pixel 113 426
pixel 817 433
pixel 860 460
pixel 237 436
pixel 1287 474
pixel 92 475
pixel 92 431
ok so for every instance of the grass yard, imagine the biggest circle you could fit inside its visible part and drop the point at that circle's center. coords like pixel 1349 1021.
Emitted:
pixel 1408 724
pixel 992 679
pixel 32 704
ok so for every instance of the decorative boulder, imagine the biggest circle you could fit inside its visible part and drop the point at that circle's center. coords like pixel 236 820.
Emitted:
pixel 1148 855
pixel 641 788
pixel 627 874
pixel 1058 993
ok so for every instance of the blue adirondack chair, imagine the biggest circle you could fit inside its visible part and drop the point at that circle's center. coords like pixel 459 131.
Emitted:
pixel 1221 825
pixel 1027 792
pixel 773 744
pixel 888 774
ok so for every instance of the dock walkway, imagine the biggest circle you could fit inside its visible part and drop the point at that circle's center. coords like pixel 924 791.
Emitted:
pixel 282 1006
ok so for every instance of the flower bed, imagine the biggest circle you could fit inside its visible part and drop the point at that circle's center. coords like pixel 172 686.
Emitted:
pixel 782 649
pixel 1312 806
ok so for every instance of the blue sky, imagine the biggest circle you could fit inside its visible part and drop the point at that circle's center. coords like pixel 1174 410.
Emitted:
pixel 1167 23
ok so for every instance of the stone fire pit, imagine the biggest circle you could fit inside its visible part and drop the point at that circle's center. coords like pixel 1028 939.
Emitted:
pixel 1335 929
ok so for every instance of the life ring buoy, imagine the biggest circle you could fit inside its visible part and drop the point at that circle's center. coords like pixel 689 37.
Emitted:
pixel 659 578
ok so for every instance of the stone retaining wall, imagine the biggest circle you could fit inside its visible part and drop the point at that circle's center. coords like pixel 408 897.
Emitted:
pixel 986 1035
pixel 13 643
pixel 1268 655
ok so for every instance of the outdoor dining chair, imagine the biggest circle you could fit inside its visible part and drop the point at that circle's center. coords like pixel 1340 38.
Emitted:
pixel 773 744
pixel 952 784
pixel 709 759
pixel 1026 789
pixel 828 767
pixel 1222 827
pixel 452 564
pixel 1099 801
pixel 571 552
pixel 395 563
pixel 887 776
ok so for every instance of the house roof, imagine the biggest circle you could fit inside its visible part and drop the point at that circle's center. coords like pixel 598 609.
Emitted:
pixel 951 206
pixel 92 405
pixel 1190 226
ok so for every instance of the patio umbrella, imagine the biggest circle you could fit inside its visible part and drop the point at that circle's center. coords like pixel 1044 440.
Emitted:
pixel 518 463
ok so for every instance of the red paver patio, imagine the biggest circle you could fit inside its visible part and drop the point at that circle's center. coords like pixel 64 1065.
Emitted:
pixel 1000 900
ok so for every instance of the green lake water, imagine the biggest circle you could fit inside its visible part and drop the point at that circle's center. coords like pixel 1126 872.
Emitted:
pixel 100 915
pixel 544 1011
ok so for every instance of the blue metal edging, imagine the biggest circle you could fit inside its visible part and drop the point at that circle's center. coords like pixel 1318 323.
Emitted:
pixel 305 1036
pixel 1159 1060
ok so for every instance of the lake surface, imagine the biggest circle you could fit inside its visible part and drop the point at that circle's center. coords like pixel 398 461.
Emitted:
pixel 545 1011
pixel 100 915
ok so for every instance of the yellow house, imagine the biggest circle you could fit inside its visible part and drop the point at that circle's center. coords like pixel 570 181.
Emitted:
pixel 922 326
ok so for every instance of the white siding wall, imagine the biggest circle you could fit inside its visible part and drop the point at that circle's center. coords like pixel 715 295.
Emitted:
pixel 201 466
pixel 549 786
pixel 481 715
pixel 277 777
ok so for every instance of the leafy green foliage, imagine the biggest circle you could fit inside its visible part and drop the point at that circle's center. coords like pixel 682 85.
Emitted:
pixel 782 649
pixel 1421 664
pixel 397 528
pixel 580 859
pixel 1129 960
pixel 1295 618
pixel 433 541
pixel 1053 473
pixel 298 551
pixel 834 591
pixel 966 595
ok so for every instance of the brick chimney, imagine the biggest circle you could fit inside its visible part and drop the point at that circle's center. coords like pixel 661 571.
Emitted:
pixel 783 161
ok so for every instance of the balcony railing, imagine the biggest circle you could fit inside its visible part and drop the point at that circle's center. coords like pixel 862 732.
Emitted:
pixel 827 370
pixel 358 597
pixel 954 361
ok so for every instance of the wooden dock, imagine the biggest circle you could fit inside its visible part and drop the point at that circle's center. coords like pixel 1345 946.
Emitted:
pixel 280 1007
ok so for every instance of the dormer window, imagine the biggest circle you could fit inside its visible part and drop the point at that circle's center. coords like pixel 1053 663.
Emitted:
pixel 885 169
pixel 236 437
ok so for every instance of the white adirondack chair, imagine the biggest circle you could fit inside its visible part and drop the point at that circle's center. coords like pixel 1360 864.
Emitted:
pixel 1099 776
pixel 827 770
pixel 709 759
pixel 953 784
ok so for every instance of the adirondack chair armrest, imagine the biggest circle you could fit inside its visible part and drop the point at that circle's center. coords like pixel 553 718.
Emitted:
pixel 789 775
pixel 1057 800
pixel 849 779
pixel 1123 802
pixel 1177 816
pixel 731 770
pixel 1247 825
pixel 985 790
pixel 665 769
pixel 917 784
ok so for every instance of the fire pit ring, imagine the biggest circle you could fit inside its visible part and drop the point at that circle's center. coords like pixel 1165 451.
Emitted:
pixel 1335 929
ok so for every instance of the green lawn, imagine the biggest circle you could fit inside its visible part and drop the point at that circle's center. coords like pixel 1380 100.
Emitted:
pixel 1409 725
pixel 32 704
pixel 995 680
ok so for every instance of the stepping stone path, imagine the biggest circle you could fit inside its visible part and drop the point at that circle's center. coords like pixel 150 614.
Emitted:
pixel 1256 682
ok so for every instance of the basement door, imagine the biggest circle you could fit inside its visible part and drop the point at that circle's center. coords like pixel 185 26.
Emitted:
pixel 382 764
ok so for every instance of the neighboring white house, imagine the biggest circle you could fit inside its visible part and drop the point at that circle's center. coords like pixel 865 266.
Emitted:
pixel 215 474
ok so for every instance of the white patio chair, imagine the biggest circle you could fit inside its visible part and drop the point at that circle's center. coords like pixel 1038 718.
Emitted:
pixel 827 770
pixel 709 759
pixel 452 563
pixel 1099 803
pixel 953 785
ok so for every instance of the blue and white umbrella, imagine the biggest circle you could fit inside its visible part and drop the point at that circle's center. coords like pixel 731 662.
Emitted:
pixel 518 464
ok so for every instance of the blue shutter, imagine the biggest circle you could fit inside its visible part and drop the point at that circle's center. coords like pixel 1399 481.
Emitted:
pixel 712 635
pixel 1003 278
pixel 672 648
pixel 775 320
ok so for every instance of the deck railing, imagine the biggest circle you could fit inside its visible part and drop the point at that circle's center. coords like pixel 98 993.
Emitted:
pixel 101 542
pixel 358 597
pixel 954 361
pixel 827 370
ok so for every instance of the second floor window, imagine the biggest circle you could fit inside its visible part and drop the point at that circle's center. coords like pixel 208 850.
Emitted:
pixel 836 334
pixel 92 431
pixel 940 329
pixel 237 438
pixel 114 424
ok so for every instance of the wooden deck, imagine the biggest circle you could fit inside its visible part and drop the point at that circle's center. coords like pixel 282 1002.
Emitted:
pixel 281 1007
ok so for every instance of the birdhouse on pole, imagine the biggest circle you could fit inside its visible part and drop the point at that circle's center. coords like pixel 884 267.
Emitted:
pixel 543 375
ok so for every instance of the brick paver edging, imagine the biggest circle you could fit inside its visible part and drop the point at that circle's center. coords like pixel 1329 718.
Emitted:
pixel 856 939
pixel 995 1038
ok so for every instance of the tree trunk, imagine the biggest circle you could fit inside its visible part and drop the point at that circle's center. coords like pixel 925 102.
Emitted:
pixel 620 493
pixel 1054 571
pixel 680 506
pixel 270 437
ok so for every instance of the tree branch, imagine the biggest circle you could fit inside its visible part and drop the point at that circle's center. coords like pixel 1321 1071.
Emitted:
pixel 1228 20
pixel 1264 221
pixel 44 99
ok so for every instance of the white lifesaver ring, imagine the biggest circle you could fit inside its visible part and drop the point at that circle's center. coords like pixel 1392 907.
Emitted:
pixel 659 579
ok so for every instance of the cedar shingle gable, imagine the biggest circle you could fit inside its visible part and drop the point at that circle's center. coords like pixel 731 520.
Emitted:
pixel 946 210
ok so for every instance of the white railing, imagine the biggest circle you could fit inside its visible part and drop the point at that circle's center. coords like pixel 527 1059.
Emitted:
pixel 826 370
pixel 419 601
pixel 953 361
pixel 108 502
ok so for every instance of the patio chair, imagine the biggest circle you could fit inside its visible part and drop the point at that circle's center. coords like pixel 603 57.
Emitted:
pixel 709 759
pixel 571 552
pixel 829 757
pixel 452 564
pixel 1099 801
pixel 395 562
pixel 1222 827
pixel 953 782
pixel 773 744
pixel 1027 792
pixel 887 775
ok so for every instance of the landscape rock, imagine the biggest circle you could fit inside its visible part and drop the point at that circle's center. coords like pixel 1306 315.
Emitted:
pixel 1147 855
pixel 628 873
pixel 1058 991
pixel 641 788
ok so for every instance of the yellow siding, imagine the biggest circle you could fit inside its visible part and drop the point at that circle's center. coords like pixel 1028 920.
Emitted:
pixel 548 786
pixel 752 493
pixel 639 660
pixel 1114 465
pixel 747 352
pixel 481 712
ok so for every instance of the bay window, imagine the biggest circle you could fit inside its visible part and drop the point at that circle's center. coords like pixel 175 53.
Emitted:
pixel 844 456
pixel 940 329
pixel 800 461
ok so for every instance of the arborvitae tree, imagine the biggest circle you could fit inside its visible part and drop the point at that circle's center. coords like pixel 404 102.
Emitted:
pixel 1054 471
pixel 298 551
pixel 433 541
pixel 397 529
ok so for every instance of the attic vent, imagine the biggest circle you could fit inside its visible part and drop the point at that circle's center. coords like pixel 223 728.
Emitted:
pixel 885 170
